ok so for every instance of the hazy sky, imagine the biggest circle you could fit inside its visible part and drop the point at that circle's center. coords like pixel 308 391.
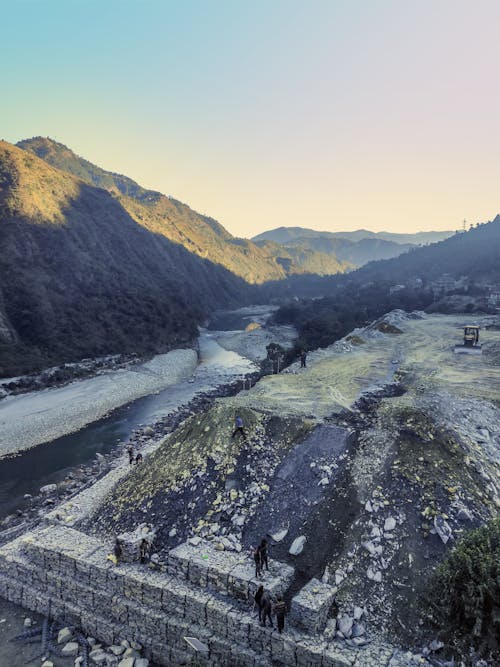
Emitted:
pixel 325 114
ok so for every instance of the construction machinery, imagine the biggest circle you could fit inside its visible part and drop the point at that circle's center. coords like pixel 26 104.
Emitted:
pixel 471 341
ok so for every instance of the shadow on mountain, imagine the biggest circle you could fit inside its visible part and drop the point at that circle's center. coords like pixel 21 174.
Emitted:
pixel 98 283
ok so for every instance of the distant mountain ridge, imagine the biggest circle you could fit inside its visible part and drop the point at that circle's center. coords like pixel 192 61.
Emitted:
pixel 354 248
pixel 289 234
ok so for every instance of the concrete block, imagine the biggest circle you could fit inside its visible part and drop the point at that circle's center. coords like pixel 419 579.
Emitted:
pixel 310 607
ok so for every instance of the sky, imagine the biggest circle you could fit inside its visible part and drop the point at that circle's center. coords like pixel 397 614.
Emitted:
pixel 328 114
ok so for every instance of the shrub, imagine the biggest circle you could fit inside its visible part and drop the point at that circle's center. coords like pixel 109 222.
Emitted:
pixel 466 591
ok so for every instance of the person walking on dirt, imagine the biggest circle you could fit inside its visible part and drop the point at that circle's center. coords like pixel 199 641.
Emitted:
pixel 138 458
pixel 280 611
pixel 131 457
pixel 258 600
pixel 263 554
pixel 144 550
pixel 258 562
pixel 238 427
pixel 266 609
pixel 303 357
pixel 118 551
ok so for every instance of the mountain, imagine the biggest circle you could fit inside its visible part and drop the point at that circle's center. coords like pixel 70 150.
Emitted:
pixel 80 276
pixel 413 281
pixel 286 235
pixel 475 254
pixel 305 259
pixel 176 221
pixel 352 248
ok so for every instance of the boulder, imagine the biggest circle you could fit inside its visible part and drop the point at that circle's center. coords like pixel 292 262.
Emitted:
pixel 70 649
pixel 442 529
pixel 389 524
pixel 127 662
pixel 297 545
pixel 358 629
pixel 344 624
pixel 48 489
pixel 64 636
pixel 358 613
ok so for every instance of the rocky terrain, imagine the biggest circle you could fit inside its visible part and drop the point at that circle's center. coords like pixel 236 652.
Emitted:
pixel 362 470
pixel 380 454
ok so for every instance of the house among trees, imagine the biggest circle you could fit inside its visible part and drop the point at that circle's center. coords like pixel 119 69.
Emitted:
pixel 444 283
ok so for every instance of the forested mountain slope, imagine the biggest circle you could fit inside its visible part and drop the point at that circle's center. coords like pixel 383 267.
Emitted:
pixel 176 221
pixel 80 277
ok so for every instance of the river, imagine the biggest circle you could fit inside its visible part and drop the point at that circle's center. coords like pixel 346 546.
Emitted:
pixel 50 462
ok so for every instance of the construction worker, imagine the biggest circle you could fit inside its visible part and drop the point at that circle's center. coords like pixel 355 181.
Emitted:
pixel 280 611
pixel 258 600
pixel 238 427
pixel 258 562
pixel 266 609
pixel 263 554
pixel 144 550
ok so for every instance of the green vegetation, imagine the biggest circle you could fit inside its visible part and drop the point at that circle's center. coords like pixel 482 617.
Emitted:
pixel 355 299
pixel 177 222
pixel 466 592
pixel 323 321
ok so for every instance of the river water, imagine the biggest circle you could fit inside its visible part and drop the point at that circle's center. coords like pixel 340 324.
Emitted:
pixel 50 463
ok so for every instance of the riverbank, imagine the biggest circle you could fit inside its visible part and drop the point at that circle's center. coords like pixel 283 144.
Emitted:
pixel 32 419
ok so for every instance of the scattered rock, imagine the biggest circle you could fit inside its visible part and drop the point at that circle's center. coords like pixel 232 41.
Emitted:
pixel 358 629
pixel 279 535
pixel 64 636
pixel 297 545
pixel 70 649
pixel 344 624
pixel 48 489
pixel 442 528
pixel 389 524
pixel 435 645
pixel 127 662
pixel 374 575
pixel 358 613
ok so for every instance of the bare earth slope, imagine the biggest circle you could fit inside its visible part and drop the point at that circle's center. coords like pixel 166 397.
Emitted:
pixel 383 443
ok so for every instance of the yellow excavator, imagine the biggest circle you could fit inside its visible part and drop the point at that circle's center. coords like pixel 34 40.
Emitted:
pixel 471 341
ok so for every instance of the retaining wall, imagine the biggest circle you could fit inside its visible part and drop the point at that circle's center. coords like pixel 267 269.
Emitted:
pixel 204 594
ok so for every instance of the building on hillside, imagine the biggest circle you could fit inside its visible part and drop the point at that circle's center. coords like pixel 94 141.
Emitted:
pixel 445 283
pixel 494 298
pixel 416 283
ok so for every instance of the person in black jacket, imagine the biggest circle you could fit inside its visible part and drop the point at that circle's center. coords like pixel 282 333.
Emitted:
pixel 280 611
pixel 258 600
pixel 263 554
pixel 258 562
pixel 266 609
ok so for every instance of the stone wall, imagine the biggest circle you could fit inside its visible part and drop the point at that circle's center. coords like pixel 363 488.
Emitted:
pixel 203 594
